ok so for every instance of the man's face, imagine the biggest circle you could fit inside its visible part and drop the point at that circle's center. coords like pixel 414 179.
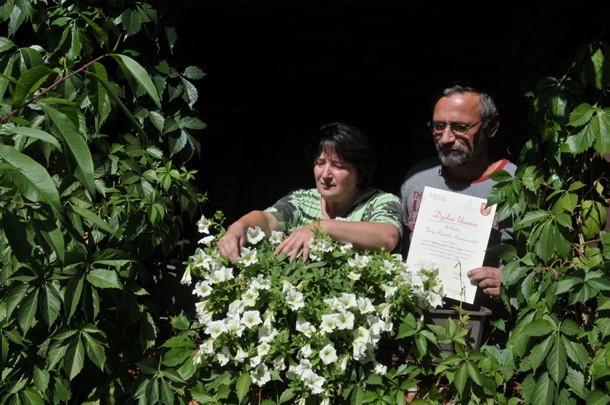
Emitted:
pixel 457 146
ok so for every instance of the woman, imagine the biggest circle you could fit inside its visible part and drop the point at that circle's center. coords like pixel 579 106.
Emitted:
pixel 342 204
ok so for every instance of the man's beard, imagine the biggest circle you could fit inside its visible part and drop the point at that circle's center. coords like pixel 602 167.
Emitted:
pixel 453 157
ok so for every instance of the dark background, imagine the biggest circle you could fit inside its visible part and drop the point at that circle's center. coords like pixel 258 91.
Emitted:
pixel 277 70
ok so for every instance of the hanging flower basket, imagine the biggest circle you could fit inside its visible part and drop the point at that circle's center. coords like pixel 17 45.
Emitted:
pixel 310 327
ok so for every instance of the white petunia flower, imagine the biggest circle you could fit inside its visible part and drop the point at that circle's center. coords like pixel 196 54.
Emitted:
pixel 305 328
pixel 354 276
pixel 202 289
pixel 305 352
pixel 365 305
pixel 276 237
pixel 329 323
pixel 294 300
pixel 202 260
pixel 255 235
pixel 223 356
pixel 345 320
pixel 216 328
pixel 359 261
pixel 249 297
pixel 251 318
pixel 347 301
pixel 187 278
pixel 388 267
pixel 314 382
pixel 263 349
pixel 241 355
pixel 380 369
pixel 434 300
pixel 260 282
pixel 260 375
pixel 279 363
pixel 207 240
pixel 328 354
pixel 234 326
pixel 203 225
pixel 248 256
pixel 346 248
pixel 207 347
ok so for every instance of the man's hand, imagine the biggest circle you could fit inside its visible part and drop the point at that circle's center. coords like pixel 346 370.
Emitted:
pixel 487 278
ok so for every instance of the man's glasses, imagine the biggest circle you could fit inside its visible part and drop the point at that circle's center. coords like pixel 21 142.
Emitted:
pixel 457 128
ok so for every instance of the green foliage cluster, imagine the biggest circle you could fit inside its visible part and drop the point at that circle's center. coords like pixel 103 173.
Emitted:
pixel 97 130
pixel 557 277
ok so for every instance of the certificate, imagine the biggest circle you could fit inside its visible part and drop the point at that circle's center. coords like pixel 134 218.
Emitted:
pixel 452 231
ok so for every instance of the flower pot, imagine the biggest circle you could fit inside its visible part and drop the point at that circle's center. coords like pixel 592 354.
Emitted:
pixel 476 323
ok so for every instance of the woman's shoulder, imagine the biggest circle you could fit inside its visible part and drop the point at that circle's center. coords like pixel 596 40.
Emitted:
pixel 375 194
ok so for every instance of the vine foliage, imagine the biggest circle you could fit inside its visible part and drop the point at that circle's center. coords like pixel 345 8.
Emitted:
pixel 97 130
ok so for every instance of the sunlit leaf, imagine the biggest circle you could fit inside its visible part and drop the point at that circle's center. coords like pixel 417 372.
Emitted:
pixel 93 218
pixel 556 361
pixel 26 315
pixel 29 82
pixel 134 69
pixel 37 134
pixel 31 178
pixel 77 146
pixel 242 385
pixel 50 304
pixel 74 358
pixel 102 278
pixel 581 115
pixel 95 351
pixel 543 391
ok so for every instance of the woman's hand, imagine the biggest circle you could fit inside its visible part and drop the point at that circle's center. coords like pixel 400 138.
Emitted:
pixel 487 278
pixel 231 243
pixel 297 243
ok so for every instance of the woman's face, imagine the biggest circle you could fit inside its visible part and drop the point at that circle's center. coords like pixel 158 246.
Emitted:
pixel 335 178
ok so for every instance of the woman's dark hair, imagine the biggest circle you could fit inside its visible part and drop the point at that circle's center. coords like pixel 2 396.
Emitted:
pixel 350 144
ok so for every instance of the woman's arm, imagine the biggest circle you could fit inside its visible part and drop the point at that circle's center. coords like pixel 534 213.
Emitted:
pixel 235 238
pixel 361 234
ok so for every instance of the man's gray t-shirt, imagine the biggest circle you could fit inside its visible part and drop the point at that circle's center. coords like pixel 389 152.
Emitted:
pixel 430 173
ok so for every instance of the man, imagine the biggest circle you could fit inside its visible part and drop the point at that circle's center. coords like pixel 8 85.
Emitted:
pixel 464 121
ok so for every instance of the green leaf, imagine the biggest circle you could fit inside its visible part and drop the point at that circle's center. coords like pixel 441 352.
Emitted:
pixel 36 134
pixel 556 361
pixel 148 331
pixel 133 69
pixel 602 125
pixel 97 93
pixel 166 394
pixel 242 386
pixel 581 115
pixel 582 141
pixel 597 398
pixel 76 144
pixel 191 95
pixel 460 378
pixel 539 352
pixel 102 278
pixel 567 284
pixel 16 233
pixel 539 327
pixel 576 352
pixel 31 178
pixel 74 291
pixel 531 218
pixel 27 312
pixel 544 391
pixel 29 82
pixel 75 358
pixel 576 381
pixel 193 73
pixel 93 218
pixel 6 44
pixel 50 304
pixel 95 351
